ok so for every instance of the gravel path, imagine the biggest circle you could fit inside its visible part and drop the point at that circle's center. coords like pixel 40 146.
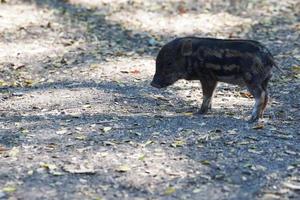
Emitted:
pixel 79 120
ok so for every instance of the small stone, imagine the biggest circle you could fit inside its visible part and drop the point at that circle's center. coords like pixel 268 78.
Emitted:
pixel 152 42
pixel 270 196
pixel 18 94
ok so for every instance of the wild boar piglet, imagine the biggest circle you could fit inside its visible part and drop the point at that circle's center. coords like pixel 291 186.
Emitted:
pixel 240 62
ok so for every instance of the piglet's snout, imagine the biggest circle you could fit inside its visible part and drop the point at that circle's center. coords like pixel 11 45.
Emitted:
pixel 153 84
pixel 156 82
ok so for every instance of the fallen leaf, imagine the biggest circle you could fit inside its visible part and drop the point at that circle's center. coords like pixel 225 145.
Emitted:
pixel 290 152
pixel 48 166
pixel 229 113
pixel 181 8
pixel 3 83
pixel 9 189
pixel 247 165
pixel 142 157
pixel 135 71
pixel 219 176
pixel 169 191
pixel 18 67
pixel 270 196
pixel 109 143
pixel 188 113
pixel 52 169
pixel 216 131
pixel 297 26
pixel 104 187
pixel 296 69
pixel 120 53
pixel 137 133
pixel 178 143
pixel 205 162
pixel 258 126
pixel 232 132
pixel 50 147
pixel 30 172
pixel 246 95
pixel 255 151
pixel 106 129
pixel 79 168
pixel 123 168
pixel 62 131
pixel 160 97
pixel 78 128
pixel 203 138
pixel 29 82
pixel 292 185
pixel 14 152
pixel 136 80
pixel 24 130
pixel 87 106
pixel 197 190
pixel 80 137
pixel 148 142
pixel 243 143
pixel 18 94
pixel 258 168
pixel 3 149
pixel 75 115
pixel 102 154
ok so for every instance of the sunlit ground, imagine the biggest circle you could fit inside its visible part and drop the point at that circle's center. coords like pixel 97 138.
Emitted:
pixel 83 104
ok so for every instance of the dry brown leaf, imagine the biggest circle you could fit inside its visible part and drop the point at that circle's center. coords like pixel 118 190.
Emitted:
pixel 258 126
pixel 135 71
pixel 246 95
pixel 3 149
pixel 79 168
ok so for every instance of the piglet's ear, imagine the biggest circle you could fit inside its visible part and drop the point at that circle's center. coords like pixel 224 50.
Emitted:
pixel 186 47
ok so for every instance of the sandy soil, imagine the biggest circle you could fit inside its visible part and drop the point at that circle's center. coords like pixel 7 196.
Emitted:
pixel 79 120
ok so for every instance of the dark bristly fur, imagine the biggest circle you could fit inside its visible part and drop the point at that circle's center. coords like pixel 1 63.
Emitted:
pixel 240 62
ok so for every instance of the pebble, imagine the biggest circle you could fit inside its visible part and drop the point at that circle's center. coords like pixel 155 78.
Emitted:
pixel 18 94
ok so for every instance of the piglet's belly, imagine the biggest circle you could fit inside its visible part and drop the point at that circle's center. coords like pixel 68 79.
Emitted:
pixel 232 79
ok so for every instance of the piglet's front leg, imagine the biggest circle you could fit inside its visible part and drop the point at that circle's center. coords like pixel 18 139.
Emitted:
pixel 208 88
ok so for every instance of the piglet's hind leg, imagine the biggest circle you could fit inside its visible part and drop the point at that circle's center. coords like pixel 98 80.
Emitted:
pixel 208 88
pixel 260 102
pixel 264 86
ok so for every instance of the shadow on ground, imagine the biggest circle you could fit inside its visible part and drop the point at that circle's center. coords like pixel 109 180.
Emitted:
pixel 169 153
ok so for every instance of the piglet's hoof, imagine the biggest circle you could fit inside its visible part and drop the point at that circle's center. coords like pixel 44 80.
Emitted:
pixel 201 112
pixel 253 119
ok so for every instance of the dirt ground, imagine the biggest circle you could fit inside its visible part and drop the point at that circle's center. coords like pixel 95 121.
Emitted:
pixel 79 120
